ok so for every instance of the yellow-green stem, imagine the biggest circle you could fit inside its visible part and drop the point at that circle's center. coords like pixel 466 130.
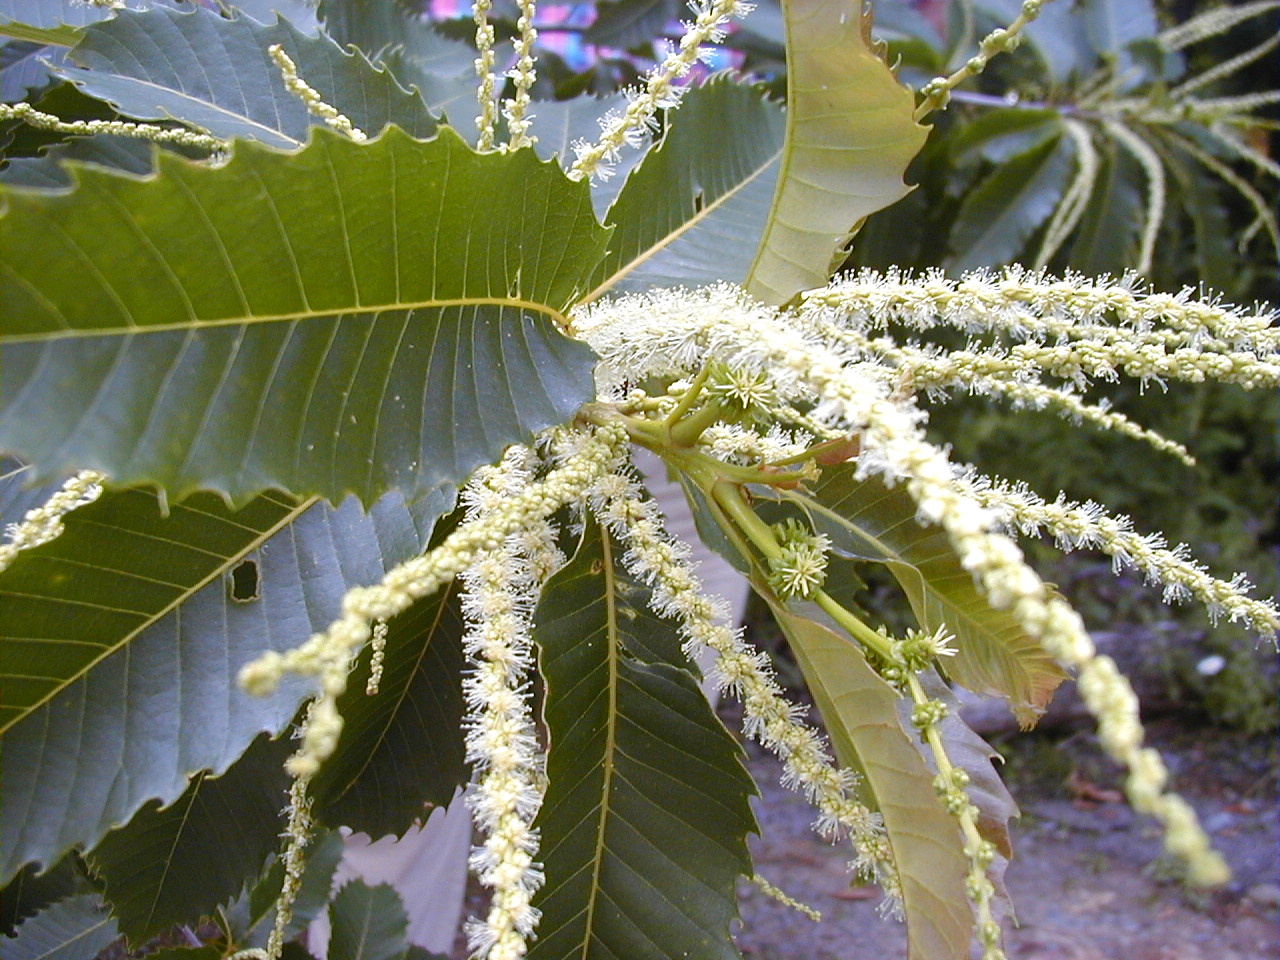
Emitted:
pixel 690 396
pixel 729 497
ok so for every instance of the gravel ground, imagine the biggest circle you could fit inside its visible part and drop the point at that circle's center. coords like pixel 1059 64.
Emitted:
pixel 1086 880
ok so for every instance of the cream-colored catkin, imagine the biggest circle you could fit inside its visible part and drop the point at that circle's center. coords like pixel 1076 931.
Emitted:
pixel 674 332
pixel 502 742
pixel 659 91
pixel 486 89
pixel 44 523
pixel 744 672
pixel 1031 303
pixel 310 97
pixel 119 128
pixel 523 74
pixel 327 655
pixel 1088 526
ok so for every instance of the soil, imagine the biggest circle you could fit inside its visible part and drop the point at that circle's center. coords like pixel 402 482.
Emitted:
pixel 1088 881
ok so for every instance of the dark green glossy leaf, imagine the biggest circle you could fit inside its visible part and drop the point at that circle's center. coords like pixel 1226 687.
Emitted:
pixel 74 929
pixel 442 69
pixel 146 682
pixel 646 811
pixel 49 172
pixel 998 217
pixel 691 212
pixel 345 318
pixel 869 520
pixel 24 68
pixel 401 750
pixel 31 891
pixel 379 27
pixel 301 14
pixel 177 864
pixel 631 23
pixel 368 923
pixel 48 21
pixel 860 713
pixel 216 74
pixel 998 135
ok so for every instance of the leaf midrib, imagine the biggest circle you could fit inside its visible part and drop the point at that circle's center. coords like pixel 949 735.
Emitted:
pixel 182 597
pixel 556 316
pixel 611 729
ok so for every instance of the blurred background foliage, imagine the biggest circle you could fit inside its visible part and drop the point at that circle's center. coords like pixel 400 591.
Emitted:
pixel 1122 135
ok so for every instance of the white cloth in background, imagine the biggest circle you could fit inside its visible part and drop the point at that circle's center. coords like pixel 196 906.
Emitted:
pixel 428 867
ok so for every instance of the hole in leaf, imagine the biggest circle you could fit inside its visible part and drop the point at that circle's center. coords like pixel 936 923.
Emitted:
pixel 244 582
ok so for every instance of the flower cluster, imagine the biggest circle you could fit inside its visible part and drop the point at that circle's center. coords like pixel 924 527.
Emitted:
pixel 660 92
pixel 1088 526
pixel 744 672
pixel 44 523
pixel 676 331
pixel 311 97
pixel 502 742
pixel 800 567
pixel 512 518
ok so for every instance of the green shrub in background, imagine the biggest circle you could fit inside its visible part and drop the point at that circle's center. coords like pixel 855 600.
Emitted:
pixel 349 393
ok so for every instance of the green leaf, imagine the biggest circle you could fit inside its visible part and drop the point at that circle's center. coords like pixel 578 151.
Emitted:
pixel 253 916
pixel 49 171
pixel 1107 239
pixel 998 135
pixel 1111 25
pixel 443 70
pixel 646 812
pixel 31 891
pixel 48 21
pixel 559 123
pixel 216 74
pixel 24 67
pixel 345 318
pixel 402 749
pixel 860 713
pixel 998 217
pixel 871 521
pixel 849 138
pixel 1217 260
pixel 631 23
pixel 379 27
pixel 301 14
pixel 368 923
pixel 690 213
pixel 116 654
pixel 73 929
pixel 174 865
